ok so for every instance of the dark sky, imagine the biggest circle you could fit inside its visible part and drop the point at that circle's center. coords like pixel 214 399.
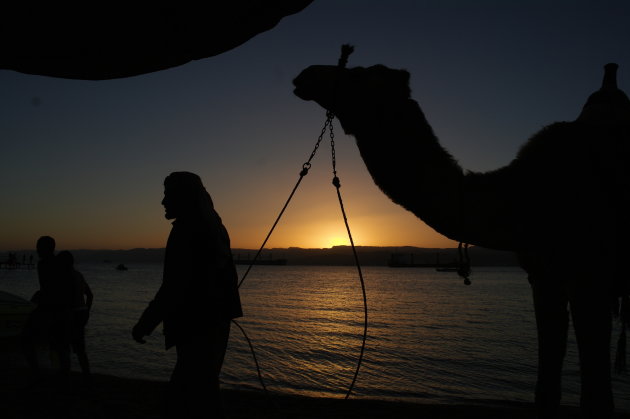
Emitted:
pixel 84 161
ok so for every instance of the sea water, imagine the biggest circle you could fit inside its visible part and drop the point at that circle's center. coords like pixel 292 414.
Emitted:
pixel 430 337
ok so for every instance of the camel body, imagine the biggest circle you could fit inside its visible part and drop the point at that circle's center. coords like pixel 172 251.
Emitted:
pixel 561 205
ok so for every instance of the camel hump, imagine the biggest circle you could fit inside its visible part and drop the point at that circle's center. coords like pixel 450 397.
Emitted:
pixel 610 76
pixel 609 104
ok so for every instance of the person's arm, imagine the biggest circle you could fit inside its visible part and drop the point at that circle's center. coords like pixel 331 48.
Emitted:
pixel 152 316
pixel 89 297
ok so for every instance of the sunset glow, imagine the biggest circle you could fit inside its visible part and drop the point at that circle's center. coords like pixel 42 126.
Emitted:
pixel 337 241
pixel 85 160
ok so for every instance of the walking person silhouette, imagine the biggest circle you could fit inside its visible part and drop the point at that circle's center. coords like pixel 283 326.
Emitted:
pixel 197 299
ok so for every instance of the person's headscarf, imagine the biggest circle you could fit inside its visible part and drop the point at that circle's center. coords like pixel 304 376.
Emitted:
pixel 200 206
pixel 189 186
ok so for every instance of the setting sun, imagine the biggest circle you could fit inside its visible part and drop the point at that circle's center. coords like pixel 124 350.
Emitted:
pixel 337 241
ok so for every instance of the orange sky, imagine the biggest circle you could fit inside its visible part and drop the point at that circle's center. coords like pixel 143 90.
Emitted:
pixel 312 220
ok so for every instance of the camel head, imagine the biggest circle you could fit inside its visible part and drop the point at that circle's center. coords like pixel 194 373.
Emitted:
pixel 348 92
pixel 608 105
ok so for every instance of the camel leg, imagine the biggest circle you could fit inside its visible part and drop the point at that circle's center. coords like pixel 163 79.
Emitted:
pixel 552 323
pixel 592 321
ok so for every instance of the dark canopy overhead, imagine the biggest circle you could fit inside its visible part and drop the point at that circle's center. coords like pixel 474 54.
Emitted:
pixel 98 41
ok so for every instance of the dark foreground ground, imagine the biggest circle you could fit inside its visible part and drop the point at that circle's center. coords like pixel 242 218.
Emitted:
pixel 120 398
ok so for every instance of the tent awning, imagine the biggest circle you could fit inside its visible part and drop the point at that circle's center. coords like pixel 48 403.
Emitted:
pixel 99 41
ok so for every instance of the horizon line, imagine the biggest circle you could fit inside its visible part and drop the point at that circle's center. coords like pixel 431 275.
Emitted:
pixel 233 248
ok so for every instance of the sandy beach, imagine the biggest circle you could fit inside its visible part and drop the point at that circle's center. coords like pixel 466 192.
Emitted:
pixel 113 397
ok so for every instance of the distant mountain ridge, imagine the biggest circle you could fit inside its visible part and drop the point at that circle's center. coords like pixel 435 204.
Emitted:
pixel 335 256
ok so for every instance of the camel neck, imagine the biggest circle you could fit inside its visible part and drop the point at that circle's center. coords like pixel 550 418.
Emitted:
pixel 402 154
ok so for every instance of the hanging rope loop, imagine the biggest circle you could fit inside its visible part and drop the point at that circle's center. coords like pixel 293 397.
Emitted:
pixel 346 50
pixel 337 183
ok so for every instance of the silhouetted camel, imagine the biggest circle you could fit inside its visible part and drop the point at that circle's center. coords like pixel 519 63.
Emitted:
pixel 561 204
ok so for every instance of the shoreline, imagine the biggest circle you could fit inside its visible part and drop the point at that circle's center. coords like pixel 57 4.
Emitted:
pixel 115 397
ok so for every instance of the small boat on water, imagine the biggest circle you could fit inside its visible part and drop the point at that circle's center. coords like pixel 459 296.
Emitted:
pixel 121 267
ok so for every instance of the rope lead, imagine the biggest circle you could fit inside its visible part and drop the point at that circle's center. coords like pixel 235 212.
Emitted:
pixel 337 183
pixel 346 50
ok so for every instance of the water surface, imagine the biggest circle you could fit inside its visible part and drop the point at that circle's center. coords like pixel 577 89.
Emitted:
pixel 430 338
